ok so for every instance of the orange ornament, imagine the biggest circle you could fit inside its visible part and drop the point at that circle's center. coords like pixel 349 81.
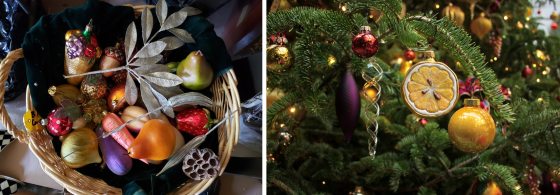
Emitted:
pixel 156 141
pixel 492 189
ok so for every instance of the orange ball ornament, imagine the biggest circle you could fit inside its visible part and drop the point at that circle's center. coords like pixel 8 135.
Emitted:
pixel 471 128
pixel 156 141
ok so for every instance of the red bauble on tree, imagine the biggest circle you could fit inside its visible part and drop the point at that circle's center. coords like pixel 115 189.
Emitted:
pixel 365 44
pixel 409 54
pixel 527 71
pixel 554 26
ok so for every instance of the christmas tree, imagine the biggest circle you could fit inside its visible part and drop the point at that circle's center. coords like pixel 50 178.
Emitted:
pixel 426 97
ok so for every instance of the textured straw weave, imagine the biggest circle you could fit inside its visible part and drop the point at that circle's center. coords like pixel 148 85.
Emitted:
pixel 226 103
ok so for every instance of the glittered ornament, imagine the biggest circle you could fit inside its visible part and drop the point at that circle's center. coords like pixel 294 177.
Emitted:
pixel 348 104
pixel 81 51
pixel 194 121
pixel 200 164
pixel 58 123
pixel 63 92
pixel 113 58
pixel 454 13
pixel 471 128
pixel 119 77
pixel 364 44
pixel 554 26
pixel 93 110
pixel 278 58
pixel 481 26
pixel 495 41
pixel 409 54
pixel 527 71
pixel 115 99
pixel 94 86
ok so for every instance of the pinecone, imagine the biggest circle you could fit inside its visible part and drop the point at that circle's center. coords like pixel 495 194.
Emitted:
pixel 496 41
pixel 201 164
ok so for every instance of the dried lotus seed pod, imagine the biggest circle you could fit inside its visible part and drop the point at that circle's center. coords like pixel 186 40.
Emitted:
pixel 201 164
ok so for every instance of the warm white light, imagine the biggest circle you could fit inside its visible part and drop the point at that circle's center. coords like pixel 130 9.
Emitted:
pixel 538 80
pixel 437 6
pixel 506 17
pixel 293 109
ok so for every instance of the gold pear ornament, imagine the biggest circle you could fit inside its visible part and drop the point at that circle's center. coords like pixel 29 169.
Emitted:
pixel 481 26
pixel 80 53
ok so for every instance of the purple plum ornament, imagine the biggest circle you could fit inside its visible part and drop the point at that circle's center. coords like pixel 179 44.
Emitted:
pixel 348 104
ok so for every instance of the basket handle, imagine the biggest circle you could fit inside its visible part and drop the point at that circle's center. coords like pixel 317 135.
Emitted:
pixel 5 67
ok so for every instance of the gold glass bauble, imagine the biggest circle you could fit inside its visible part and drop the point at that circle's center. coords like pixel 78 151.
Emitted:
pixel 273 95
pixel 492 188
pixel 554 16
pixel 278 58
pixel 369 91
pixel 471 128
pixel 405 66
pixel 454 13
pixel 481 26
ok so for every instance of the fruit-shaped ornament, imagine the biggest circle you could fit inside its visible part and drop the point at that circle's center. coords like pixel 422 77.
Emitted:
pixel 364 44
pixel 278 56
pixel 66 92
pixel 114 155
pixel 94 86
pixel 155 141
pixel 114 57
pixel 481 26
pixel 195 71
pixel 79 148
pixel 348 104
pixel 409 55
pixel 194 121
pixel 490 188
pixel 93 110
pixel 527 71
pixel 80 53
pixel 471 128
pixel 454 13
pixel 59 123
pixel 430 88
pixel 110 122
pixel 132 112
pixel 115 99
pixel 119 77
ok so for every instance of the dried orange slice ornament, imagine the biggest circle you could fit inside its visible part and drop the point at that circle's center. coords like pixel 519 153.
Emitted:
pixel 430 88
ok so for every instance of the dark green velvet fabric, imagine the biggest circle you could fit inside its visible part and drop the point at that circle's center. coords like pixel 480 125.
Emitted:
pixel 43 45
pixel 43 49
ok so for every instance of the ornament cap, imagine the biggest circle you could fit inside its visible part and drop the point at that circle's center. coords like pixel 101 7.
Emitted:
pixel 428 55
pixel 365 28
pixel 471 102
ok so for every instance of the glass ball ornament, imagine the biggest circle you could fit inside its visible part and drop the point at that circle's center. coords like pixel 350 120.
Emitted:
pixel 364 44
pixel 278 58
pixel 471 128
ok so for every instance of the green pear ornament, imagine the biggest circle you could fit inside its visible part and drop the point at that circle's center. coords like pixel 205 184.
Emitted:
pixel 195 71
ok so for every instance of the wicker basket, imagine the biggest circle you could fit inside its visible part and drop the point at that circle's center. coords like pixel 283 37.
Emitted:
pixel 226 103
